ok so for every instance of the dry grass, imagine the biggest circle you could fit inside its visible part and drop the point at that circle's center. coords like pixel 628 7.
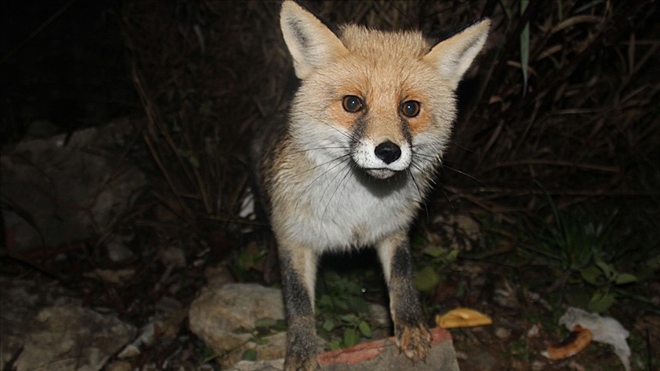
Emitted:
pixel 581 124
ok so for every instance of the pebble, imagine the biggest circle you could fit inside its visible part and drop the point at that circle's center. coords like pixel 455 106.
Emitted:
pixel 502 333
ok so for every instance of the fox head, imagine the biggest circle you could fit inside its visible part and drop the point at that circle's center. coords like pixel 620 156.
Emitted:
pixel 383 100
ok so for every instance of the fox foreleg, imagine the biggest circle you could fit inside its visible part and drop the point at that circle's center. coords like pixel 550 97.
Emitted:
pixel 298 266
pixel 410 330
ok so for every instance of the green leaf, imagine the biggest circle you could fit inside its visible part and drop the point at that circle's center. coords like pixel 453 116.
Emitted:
pixel 452 256
pixel 334 345
pixel 348 318
pixel 208 353
pixel 280 325
pixel 426 279
pixel 328 325
pixel 434 251
pixel 591 274
pixel 600 302
pixel 625 278
pixel 327 336
pixel 265 323
pixel 240 330
pixel 607 269
pixel 524 46
pixel 249 355
pixel 260 341
pixel 325 300
pixel 352 287
pixel 358 304
pixel 350 337
pixel 365 329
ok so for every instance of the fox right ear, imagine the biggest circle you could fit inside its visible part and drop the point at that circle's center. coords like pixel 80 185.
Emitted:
pixel 310 42
pixel 452 57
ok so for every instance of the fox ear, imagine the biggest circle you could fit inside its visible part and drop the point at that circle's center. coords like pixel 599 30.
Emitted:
pixel 310 42
pixel 452 57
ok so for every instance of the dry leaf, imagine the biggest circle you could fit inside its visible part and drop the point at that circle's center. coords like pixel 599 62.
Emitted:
pixel 572 345
pixel 462 317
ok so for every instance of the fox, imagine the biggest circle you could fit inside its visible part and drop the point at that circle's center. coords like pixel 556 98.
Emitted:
pixel 353 161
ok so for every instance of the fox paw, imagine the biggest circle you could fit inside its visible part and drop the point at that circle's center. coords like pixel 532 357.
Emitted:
pixel 414 341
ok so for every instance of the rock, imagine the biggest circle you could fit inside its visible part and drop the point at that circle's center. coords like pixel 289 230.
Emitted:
pixel 534 331
pixel 381 322
pixel 218 275
pixel 466 224
pixel 221 310
pixel 62 192
pixel 502 333
pixel 270 347
pixel 119 366
pixel 117 248
pixel 381 355
pixel 379 315
pixel 538 366
pixel 275 365
pixel 459 232
pixel 44 327
pixel 172 256
pixel 384 355
pixel 165 326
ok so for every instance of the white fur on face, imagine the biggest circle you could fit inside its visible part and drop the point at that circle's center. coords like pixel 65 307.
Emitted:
pixel 364 155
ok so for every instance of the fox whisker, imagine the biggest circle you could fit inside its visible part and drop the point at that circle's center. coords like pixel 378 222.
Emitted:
pixel 339 161
pixel 307 150
pixel 342 184
pixel 445 166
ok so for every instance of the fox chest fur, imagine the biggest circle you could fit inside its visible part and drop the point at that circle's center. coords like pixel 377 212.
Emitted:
pixel 326 203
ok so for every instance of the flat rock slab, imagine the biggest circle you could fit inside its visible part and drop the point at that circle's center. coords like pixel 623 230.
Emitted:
pixel 384 355
pixel 381 355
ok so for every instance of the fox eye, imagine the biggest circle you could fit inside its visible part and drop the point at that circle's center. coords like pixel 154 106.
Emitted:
pixel 410 108
pixel 352 104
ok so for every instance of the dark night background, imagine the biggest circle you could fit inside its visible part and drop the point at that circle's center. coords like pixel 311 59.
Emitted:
pixel 64 62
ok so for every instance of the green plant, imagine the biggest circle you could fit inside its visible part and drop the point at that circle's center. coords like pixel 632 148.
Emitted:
pixel 436 259
pixel 342 310
pixel 249 262
pixel 263 328
pixel 583 254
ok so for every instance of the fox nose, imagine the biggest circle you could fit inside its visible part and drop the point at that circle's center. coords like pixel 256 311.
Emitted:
pixel 388 152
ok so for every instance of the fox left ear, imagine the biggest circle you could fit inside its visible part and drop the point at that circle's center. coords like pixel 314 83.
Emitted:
pixel 310 42
pixel 453 56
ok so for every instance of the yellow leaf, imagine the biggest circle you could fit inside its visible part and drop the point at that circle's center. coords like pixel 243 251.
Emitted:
pixel 462 317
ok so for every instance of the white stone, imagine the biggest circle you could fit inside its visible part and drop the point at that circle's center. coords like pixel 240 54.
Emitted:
pixel 220 310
